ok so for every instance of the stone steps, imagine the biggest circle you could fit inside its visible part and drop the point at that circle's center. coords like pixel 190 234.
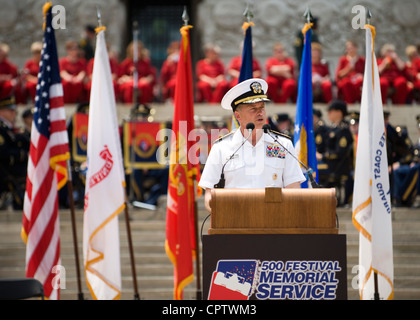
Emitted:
pixel 155 271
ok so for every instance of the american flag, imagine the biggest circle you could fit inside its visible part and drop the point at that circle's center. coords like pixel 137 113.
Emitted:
pixel 46 171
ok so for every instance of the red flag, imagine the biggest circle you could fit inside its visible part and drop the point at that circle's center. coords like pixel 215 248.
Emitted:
pixel 46 170
pixel 180 225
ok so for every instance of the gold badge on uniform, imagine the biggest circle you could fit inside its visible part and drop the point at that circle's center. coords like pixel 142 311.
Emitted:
pixel 274 176
pixel 343 142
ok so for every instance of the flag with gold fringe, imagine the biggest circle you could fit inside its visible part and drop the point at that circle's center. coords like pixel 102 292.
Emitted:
pixel 304 138
pixel 105 193
pixel 47 170
pixel 180 220
pixel 371 196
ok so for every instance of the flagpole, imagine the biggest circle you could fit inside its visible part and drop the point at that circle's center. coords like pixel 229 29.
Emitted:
pixel 135 61
pixel 73 224
pixel 199 295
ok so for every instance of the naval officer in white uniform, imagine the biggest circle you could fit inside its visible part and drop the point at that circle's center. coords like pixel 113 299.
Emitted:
pixel 250 159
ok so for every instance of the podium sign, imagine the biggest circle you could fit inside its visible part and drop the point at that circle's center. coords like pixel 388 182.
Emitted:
pixel 274 267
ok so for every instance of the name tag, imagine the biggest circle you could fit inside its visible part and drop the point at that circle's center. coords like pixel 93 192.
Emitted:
pixel 235 156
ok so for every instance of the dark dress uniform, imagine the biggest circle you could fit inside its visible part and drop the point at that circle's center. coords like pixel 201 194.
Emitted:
pixel 13 162
pixel 321 134
pixel 338 157
pixel 406 178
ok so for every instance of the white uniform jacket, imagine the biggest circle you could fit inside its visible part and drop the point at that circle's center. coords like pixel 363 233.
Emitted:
pixel 267 164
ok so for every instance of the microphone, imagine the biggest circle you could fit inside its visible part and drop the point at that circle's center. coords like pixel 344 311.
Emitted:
pixel 221 184
pixel 314 184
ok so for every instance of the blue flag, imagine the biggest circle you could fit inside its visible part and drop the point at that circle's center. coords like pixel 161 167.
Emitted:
pixel 304 138
pixel 246 65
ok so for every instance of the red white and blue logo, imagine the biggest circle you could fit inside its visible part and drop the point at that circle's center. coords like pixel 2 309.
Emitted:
pixel 233 280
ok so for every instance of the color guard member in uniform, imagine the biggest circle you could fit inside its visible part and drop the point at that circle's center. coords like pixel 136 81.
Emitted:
pixel 338 152
pixel 320 133
pixel 406 172
pixel 13 156
pixel 256 162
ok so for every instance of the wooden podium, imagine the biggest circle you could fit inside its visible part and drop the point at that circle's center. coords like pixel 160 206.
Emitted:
pixel 273 211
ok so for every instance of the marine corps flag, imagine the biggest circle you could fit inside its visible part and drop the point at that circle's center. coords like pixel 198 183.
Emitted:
pixel 180 224
pixel 304 138
pixel 105 193
pixel 371 197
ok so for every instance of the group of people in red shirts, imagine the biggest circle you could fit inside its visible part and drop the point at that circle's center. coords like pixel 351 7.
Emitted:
pixel 399 78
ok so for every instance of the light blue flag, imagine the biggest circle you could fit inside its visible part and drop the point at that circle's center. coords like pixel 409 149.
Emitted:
pixel 304 138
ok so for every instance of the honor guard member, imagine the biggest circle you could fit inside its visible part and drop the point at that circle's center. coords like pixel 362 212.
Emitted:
pixel 248 157
pixel 13 156
pixel 320 133
pixel 338 152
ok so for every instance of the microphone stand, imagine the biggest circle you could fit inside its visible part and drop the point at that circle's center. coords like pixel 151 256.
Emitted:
pixel 221 183
pixel 308 170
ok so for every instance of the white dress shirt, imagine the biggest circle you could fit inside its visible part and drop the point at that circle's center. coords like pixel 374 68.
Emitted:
pixel 266 164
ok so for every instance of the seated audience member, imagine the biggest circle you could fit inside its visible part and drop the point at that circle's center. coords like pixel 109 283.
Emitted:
pixel 392 75
pixel 281 81
pixel 234 68
pixel 168 71
pixel 113 61
pixel 146 75
pixel 30 72
pixel 211 81
pixel 73 73
pixel 321 81
pixel 413 73
pixel 8 74
pixel 349 74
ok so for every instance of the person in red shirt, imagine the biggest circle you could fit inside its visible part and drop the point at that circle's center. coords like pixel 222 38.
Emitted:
pixel 146 76
pixel 321 81
pixel 8 74
pixel 73 73
pixel 168 71
pixel 234 68
pixel 349 74
pixel 211 84
pixel 30 72
pixel 413 72
pixel 113 61
pixel 281 81
pixel 392 74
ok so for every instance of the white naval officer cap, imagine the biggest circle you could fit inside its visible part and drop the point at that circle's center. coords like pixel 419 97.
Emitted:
pixel 248 91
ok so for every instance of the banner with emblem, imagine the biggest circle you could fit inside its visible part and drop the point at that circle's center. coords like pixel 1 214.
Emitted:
pixel 141 145
pixel 80 136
